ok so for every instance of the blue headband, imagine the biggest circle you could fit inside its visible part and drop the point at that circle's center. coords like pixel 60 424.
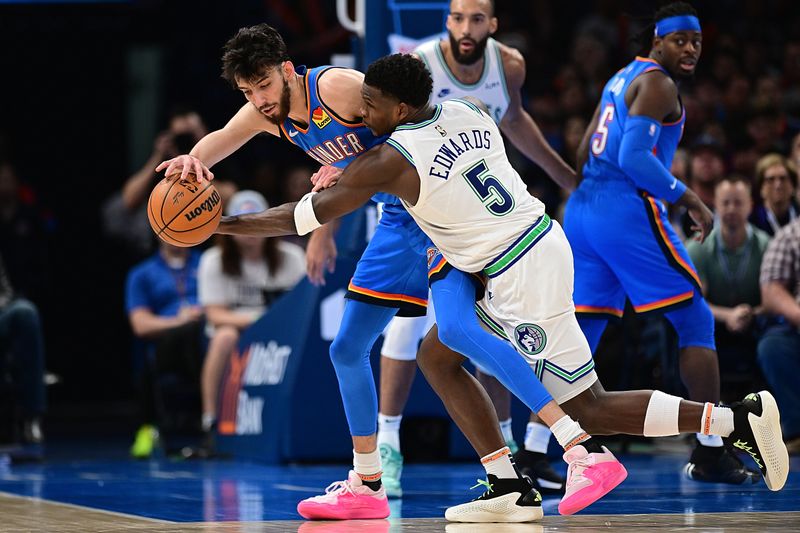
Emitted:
pixel 678 23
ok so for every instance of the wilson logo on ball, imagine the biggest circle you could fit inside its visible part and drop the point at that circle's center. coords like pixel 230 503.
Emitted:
pixel 208 206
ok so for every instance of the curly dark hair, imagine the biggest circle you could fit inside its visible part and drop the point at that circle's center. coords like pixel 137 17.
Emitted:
pixel 645 37
pixel 251 52
pixel 403 76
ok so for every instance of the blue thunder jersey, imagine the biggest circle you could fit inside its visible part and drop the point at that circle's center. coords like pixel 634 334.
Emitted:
pixel 605 142
pixel 329 138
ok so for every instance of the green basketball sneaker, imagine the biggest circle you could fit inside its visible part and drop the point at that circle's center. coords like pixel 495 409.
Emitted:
pixel 392 463
pixel 146 441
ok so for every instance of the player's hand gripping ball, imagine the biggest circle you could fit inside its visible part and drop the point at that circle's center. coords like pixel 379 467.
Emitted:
pixel 184 213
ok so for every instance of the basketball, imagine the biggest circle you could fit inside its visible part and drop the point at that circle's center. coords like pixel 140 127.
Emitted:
pixel 184 213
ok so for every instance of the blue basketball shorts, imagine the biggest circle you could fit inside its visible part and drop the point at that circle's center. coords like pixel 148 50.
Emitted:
pixel 623 244
pixel 392 271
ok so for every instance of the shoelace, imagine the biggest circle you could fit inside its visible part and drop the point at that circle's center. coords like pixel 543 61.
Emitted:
pixel 338 487
pixel 484 483
pixel 583 464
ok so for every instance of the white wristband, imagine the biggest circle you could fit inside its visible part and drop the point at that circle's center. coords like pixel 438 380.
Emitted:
pixel 304 218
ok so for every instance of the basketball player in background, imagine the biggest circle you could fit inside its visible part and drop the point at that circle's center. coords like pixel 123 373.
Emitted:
pixel 616 220
pixel 469 62
pixel 447 164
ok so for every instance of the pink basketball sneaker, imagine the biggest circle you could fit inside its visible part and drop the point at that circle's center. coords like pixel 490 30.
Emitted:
pixel 590 476
pixel 346 500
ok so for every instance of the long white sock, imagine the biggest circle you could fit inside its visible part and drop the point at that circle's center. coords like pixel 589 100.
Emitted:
pixel 505 429
pixel 367 465
pixel 389 430
pixel 499 463
pixel 537 437
pixel 568 432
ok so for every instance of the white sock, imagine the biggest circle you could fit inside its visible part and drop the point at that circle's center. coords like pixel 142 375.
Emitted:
pixel 712 441
pixel 568 433
pixel 207 421
pixel 389 430
pixel 499 463
pixel 537 437
pixel 716 421
pixel 367 465
pixel 505 429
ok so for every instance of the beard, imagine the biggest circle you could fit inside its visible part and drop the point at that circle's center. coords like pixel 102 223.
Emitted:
pixel 282 108
pixel 472 57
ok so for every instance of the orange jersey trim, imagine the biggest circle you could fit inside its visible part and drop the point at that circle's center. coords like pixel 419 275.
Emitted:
pixel 598 310
pixel 666 302
pixel 663 233
pixel 387 296
pixel 438 268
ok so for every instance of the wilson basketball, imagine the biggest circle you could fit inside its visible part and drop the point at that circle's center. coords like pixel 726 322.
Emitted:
pixel 184 213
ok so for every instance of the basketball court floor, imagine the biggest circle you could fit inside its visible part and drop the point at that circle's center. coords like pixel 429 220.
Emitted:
pixel 116 494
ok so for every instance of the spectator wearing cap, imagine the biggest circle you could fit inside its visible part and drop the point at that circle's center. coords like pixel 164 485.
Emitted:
pixel 706 168
pixel 776 181
pixel 237 280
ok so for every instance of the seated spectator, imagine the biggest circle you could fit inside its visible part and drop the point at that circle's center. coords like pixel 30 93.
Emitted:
pixel 22 348
pixel 776 181
pixel 163 311
pixel 779 348
pixel 728 264
pixel 238 280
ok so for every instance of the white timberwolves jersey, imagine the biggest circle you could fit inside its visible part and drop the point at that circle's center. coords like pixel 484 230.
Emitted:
pixel 489 89
pixel 472 203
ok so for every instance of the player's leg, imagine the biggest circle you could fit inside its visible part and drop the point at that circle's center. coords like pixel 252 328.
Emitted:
pixel 752 425
pixel 472 411
pixel 501 399
pixel 460 331
pixel 398 368
pixel 361 496
pixel 390 276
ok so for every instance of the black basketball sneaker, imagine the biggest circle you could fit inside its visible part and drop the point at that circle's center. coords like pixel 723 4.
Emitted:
pixel 505 500
pixel 719 465
pixel 536 466
pixel 757 432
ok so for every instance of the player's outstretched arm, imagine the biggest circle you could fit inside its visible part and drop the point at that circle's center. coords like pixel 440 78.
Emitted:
pixel 582 156
pixel 522 131
pixel 219 144
pixel 380 169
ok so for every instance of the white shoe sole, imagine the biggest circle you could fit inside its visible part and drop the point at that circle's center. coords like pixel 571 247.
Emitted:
pixel 767 431
pixel 500 509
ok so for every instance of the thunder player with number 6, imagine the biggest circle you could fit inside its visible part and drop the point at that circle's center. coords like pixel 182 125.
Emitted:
pixel 617 225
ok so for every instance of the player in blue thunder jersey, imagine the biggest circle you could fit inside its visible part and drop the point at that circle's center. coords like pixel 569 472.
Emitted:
pixel 318 109
pixel 616 221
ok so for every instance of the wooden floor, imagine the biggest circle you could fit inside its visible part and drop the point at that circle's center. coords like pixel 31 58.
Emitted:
pixel 20 514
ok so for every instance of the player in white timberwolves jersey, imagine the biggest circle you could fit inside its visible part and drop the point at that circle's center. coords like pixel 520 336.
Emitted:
pixel 447 164
pixel 469 62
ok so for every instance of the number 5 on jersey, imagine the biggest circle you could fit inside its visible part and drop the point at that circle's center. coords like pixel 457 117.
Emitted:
pixel 494 197
pixel 600 136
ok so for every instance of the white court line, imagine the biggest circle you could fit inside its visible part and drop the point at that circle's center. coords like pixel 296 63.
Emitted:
pixel 83 507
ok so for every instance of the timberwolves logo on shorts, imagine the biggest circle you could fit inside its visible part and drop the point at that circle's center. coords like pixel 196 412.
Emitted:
pixel 530 338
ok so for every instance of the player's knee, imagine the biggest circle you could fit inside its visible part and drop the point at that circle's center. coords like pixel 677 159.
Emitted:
pixel 345 352
pixel 453 334
pixel 694 324
pixel 225 336
pixel 435 358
